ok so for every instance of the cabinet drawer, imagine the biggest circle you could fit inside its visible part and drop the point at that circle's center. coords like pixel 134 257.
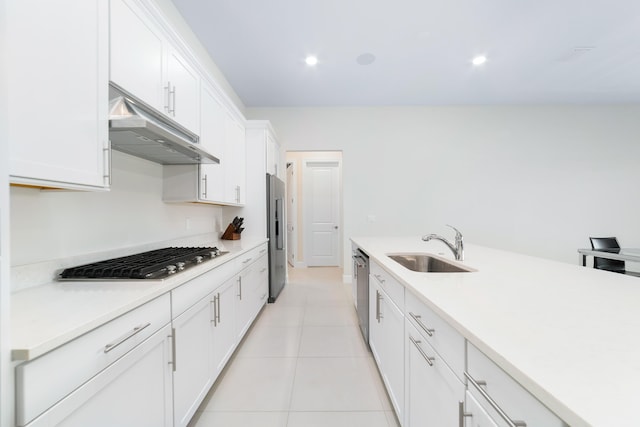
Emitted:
pixel 433 390
pixel 42 382
pixel 251 256
pixel 194 290
pixel 508 394
pixel 391 286
pixel 444 339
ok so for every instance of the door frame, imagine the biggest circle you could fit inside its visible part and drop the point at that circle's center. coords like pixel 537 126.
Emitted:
pixel 305 215
pixel 291 210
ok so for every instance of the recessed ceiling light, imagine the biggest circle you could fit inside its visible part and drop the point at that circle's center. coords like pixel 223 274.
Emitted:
pixel 311 60
pixel 479 60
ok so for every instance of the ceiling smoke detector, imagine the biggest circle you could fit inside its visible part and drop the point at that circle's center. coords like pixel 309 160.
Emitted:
pixel 366 59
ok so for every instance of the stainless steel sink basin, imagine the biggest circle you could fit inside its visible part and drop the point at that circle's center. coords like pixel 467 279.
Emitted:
pixel 426 263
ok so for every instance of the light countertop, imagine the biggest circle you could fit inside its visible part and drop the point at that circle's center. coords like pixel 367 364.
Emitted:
pixel 567 333
pixel 47 316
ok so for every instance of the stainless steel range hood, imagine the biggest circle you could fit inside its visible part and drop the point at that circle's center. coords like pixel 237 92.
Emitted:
pixel 137 129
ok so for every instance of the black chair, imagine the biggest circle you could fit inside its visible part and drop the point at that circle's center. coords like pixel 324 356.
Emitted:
pixel 609 244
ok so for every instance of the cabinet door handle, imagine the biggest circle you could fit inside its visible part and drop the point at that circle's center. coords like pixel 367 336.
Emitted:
pixel 378 312
pixel 122 339
pixel 263 251
pixel 173 349
pixel 218 310
pixel 108 168
pixel 167 106
pixel 424 327
pixel 247 260
pixel 173 93
pixel 240 287
pixel 461 414
pixel 214 319
pixel 494 405
pixel 204 180
pixel 416 342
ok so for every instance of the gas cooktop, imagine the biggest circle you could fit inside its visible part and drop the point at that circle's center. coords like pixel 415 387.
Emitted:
pixel 155 264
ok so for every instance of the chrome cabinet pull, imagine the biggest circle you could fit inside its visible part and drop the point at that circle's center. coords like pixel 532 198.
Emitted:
pixel 122 339
pixel 494 405
pixel 167 106
pixel 214 319
pixel 108 168
pixel 263 251
pixel 462 414
pixel 416 342
pixel 247 260
pixel 424 327
pixel 240 287
pixel 378 312
pixel 218 310
pixel 263 270
pixel 173 92
pixel 173 349
pixel 204 193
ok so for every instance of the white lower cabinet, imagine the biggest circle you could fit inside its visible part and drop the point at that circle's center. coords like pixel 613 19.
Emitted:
pixel 433 391
pixel 248 285
pixel 224 327
pixel 386 338
pixel 133 391
pixel 503 398
pixel 193 373
pixel 475 416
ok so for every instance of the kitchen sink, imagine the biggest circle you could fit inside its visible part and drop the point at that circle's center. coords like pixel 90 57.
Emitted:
pixel 426 263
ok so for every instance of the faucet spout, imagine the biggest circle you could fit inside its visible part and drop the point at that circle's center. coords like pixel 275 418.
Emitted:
pixel 457 248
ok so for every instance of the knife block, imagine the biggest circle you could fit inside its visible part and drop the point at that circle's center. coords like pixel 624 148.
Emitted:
pixel 230 234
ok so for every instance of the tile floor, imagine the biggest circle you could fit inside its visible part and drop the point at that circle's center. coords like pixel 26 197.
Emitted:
pixel 302 364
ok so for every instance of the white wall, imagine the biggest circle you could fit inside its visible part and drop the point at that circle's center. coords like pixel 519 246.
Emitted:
pixel 6 373
pixel 534 180
pixel 48 225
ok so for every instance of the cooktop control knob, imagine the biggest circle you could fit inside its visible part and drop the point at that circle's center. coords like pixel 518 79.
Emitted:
pixel 180 265
pixel 198 259
pixel 171 269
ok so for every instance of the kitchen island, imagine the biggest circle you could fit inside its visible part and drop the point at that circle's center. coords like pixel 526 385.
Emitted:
pixel 567 334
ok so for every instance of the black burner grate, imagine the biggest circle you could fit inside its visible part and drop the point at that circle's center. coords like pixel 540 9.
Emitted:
pixel 146 265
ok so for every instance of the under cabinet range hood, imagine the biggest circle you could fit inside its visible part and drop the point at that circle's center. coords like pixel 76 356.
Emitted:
pixel 137 129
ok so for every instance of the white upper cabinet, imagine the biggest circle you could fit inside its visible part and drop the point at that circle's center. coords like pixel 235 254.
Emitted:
pixel 146 64
pixel 57 70
pixel 183 85
pixel 234 166
pixel 137 55
pixel 274 158
pixel 212 114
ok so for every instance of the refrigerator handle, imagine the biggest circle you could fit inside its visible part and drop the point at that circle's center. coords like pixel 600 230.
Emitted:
pixel 279 236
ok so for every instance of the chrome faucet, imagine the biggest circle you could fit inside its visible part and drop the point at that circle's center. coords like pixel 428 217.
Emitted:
pixel 458 249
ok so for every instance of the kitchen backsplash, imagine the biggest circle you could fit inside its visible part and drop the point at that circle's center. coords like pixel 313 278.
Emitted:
pixel 54 229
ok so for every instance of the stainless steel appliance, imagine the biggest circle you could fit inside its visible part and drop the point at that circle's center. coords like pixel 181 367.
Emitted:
pixel 276 227
pixel 157 264
pixel 361 270
pixel 136 128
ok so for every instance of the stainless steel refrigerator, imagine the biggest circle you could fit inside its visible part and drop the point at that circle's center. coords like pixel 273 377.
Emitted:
pixel 276 229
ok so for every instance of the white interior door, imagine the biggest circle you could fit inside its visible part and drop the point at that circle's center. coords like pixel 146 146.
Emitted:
pixel 292 209
pixel 322 213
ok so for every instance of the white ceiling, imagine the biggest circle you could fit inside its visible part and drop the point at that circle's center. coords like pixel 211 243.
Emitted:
pixel 423 49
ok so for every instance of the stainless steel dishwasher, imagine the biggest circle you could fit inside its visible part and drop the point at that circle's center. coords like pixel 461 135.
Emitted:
pixel 361 270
